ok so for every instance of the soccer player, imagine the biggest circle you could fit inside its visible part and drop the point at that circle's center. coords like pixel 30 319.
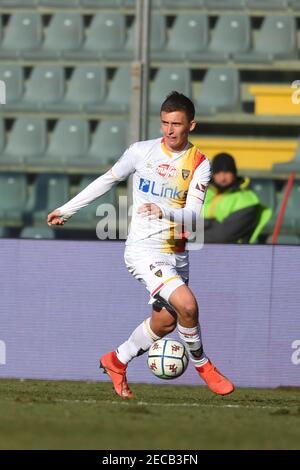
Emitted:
pixel 170 177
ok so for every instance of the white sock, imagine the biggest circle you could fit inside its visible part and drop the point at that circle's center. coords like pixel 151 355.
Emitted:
pixel 138 343
pixel 192 340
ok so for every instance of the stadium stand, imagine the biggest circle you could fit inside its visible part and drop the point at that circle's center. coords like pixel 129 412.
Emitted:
pixel 13 195
pixel 37 232
pixel 66 67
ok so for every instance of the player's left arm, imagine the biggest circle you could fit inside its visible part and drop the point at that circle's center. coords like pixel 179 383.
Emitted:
pixel 194 201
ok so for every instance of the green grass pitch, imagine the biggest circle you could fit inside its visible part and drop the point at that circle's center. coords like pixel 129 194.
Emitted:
pixel 88 415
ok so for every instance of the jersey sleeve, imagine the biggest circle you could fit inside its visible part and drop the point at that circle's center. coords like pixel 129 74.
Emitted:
pixel 101 185
pixel 195 197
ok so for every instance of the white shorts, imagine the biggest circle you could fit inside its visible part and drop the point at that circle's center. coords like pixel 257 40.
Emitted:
pixel 161 273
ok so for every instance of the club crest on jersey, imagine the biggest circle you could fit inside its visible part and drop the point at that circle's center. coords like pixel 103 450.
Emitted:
pixel 167 171
pixel 158 273
pixel 185 174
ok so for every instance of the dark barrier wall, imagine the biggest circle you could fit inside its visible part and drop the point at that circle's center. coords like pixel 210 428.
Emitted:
pixel 63 304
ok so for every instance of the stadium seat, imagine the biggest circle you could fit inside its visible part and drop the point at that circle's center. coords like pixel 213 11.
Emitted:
pixel 49 192
pixel 224 4
pixel 158 37
pixel 13 195
pixel 23 34
pixel 69 142
pixel 291 220
pixel 4 232
pixel 44 89
pixel 166 80
pixel 87 217
pixel 27 140
pixel 106 35
pixel 154 129
pixel 102 3
pixel 188 36
pixel 232 34
pixel 219 92
pixel 265 190
pixel 119 92
pixel 37 232
pixel 65 33
pixel 108 143
pixel 285 239
pixel 18 3
pixel 180 4
pixel 266 4
pixel 59 3
pixel 295 4
pixel 276 39
pixel 13 77
pixel 86 90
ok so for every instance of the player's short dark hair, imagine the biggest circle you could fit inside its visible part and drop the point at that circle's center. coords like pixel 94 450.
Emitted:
pixel 176 101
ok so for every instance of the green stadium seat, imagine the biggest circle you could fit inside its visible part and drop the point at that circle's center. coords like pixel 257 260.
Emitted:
pixel 276 40
pixel 291 220
pixel 295 4
pixel 158 37
pixel 18 3
pixel 27 140
pixel 266 4
pixel 119 92
pixel 108 143
pixel 180 4
pixel 285 239
pixel 23 34
pixel 69 142
pixel 44 89
pixel 232 34
pixel 219 92
pixel 38 233
pixel 65 33
pixel 224 4
pixel 4 232
pixel 13 195
pixel 154 129
pixel 101 3
pixel 49 192
pixel 59 3
pixel 166 80
pixel 106 35
pixel 13 77
pixel 86 218
pixel 188 36
pixel 87 89
pixel 265 190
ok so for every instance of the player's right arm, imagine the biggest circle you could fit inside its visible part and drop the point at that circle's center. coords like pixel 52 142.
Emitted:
pixel 101 185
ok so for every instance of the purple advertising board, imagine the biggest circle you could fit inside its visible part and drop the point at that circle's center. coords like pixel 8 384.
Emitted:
pixel 65 303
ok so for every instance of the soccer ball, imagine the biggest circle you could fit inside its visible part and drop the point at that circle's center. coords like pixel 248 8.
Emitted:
pixel 167 358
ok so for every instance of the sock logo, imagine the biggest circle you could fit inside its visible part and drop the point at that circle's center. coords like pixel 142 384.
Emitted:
pixel 2 353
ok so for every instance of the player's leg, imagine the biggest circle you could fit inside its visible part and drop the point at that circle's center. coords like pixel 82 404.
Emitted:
pixel 115 363
pixel 184 302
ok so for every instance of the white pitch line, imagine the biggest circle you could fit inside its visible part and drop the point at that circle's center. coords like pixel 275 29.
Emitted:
pixel 167 405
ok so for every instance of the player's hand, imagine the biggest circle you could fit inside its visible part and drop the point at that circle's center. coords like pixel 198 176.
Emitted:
pixel 151 211
pixel 55 218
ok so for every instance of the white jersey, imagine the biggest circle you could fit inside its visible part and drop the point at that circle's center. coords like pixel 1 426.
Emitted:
pixel 176 182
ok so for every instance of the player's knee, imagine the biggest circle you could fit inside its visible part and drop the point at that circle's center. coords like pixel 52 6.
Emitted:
pixel 189 311
pixel 169 327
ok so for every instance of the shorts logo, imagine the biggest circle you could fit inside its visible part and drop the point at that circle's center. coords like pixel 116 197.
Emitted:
pixel 144 185
pixel 185 174
pixel 158 273
pixel 151 267
pixel 167 171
